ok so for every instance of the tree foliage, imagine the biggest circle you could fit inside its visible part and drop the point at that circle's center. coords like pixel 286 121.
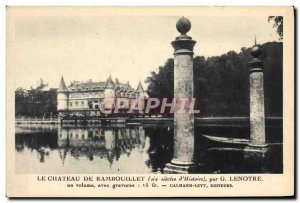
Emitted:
pixel 278 24
pixel 35 101
pixel 161 83
pixel 221 83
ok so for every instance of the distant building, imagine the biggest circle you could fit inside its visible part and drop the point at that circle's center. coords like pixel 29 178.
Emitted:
pixel 86 97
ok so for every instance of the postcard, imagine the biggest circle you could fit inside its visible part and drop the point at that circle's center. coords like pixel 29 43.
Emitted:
pixel 150 102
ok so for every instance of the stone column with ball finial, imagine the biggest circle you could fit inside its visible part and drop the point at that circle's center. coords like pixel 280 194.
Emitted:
pixel 183 89
pixel 257 110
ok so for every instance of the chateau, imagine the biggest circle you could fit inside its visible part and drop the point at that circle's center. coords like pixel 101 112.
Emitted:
pixel 85 97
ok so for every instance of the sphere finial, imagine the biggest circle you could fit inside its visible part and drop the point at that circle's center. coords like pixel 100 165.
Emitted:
pixel 256 51
pixel 183 25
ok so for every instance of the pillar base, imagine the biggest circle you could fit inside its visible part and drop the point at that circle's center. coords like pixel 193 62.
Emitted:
pixel 176 169
pixel 257 159
pixel 182 163
pixel 179 167
pixel 256 151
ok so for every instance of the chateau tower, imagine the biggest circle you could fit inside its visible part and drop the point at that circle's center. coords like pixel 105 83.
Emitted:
pixel 62 96
pixel 141 94
pixel 140 88
pixel 109 93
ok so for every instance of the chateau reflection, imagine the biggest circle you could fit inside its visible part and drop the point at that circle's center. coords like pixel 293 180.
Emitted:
pixel 108 143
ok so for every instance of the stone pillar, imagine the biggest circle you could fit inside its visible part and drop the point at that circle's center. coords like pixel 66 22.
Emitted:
pixel 257 110
pixel 183 89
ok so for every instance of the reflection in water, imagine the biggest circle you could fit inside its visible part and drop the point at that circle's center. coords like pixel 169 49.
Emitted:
pixel 132 149
pixel 111 148
pixel 106 143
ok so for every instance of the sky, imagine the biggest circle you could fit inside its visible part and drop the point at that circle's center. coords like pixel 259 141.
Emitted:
pixel 83 47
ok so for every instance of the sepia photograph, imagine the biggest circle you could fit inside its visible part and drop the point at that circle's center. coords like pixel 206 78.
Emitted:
pixel 155 91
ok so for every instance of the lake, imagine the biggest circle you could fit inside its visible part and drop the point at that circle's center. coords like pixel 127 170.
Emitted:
pixel 133 149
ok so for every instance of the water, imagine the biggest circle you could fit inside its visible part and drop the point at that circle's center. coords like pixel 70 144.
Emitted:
pixel 131 149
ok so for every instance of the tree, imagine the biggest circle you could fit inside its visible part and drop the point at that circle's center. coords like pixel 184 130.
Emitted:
pixel 278 24
pixel 35 101
pixel 162 83
pixel 221 83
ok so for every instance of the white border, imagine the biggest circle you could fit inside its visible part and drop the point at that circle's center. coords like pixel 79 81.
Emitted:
pixel 4 3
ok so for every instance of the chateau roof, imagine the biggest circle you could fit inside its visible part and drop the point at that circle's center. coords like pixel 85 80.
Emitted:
pixel 99 86
pixel 88 86
pixel 62 85
pixel 140 87
pixel 109 83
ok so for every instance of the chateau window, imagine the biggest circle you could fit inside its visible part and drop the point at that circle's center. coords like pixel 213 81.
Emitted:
pixel 76 136
pixel 90 105
pixel 76 103
pixel 71 135
pixel 70 103
pixel 82 102
pixel 90 134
